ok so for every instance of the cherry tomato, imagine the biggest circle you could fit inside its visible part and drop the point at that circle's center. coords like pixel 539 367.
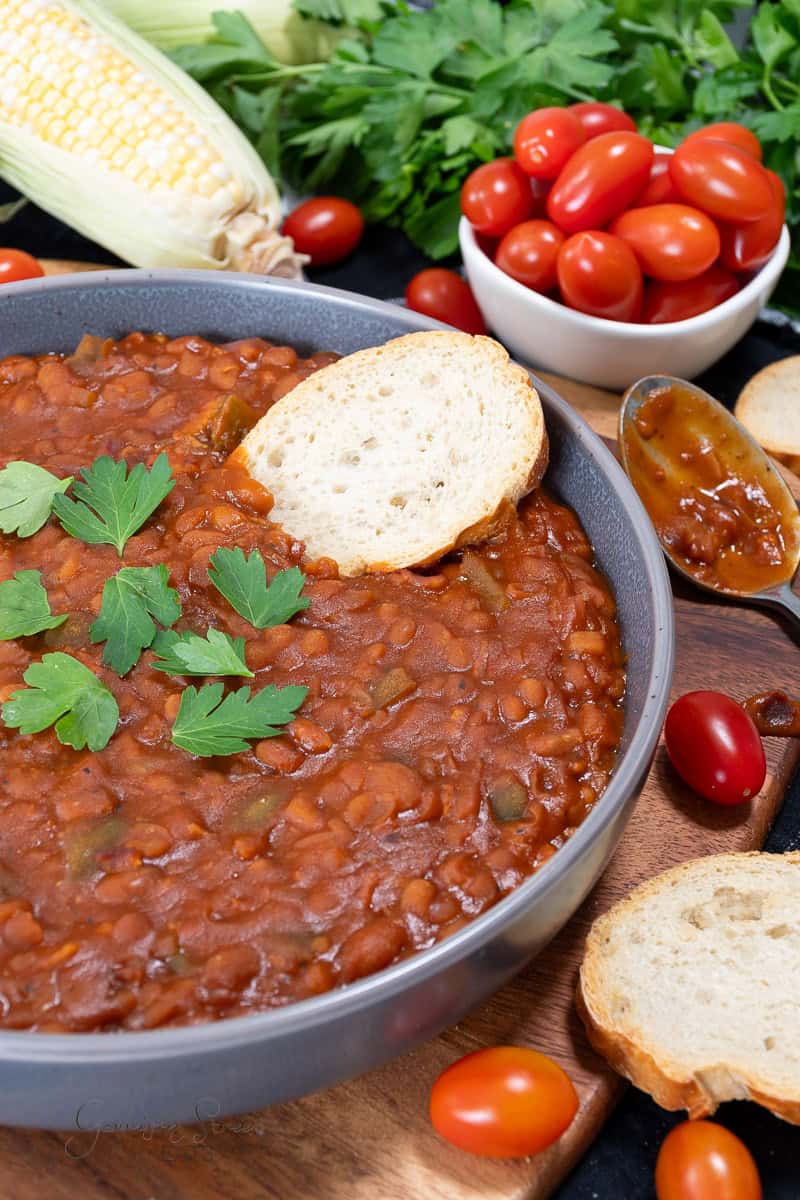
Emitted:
pixel 442 294
pixel 700 1160
pixel 496 196
pixel 728 131
pixel 747 247
pixel 659 189
pixel 598 274
pixel 601 179
pixel 722 179
pixel 545 139
pixel 528 254
pixel 326 227
pixel 16 265
pixel 505 1102
pixel 597 118
pixel 714 746
pixel 670 241
pixel 664 302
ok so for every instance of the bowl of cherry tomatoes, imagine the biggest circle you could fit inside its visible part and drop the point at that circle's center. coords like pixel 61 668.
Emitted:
pixel 598 255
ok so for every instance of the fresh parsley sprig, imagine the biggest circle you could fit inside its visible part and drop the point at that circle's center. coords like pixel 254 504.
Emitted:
pixel 190 654
pixel 113 505
pixel 133 600
pixel 25 607
pixel 63 692
pixel 207 724
pixel 243 583
pixel 26 497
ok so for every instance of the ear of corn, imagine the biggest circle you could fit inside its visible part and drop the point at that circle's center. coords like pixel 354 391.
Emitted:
pixel 103 131
pixel 169 23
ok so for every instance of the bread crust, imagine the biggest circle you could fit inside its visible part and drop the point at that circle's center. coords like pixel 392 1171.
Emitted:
pixel 701 1092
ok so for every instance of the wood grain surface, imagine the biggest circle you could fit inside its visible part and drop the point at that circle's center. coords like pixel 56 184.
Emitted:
pixel 370 1139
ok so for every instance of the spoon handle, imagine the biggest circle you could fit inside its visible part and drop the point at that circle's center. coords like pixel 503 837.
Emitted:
pixel 784 598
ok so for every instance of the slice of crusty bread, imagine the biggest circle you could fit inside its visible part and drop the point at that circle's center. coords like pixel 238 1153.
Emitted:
pixel 689 987
pixel 392 456
pixel 769 407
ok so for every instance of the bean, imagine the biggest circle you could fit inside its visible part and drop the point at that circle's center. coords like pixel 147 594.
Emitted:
pixel 309 736
pixel 369 949
pixel 22 930
pixel 227 971
pixel 417 896
pixel 278 754
pixel 302 812
pixel 314 642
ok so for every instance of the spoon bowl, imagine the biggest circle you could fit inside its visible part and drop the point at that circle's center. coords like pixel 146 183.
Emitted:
pixel 724 514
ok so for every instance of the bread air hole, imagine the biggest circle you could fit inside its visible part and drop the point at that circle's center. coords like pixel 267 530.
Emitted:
pixel 339 489
pixel 398 501
pixel 350 458
pixel 275 458
pixel 369 444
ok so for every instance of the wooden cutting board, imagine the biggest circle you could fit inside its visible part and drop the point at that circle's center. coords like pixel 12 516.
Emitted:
pixel 370 1139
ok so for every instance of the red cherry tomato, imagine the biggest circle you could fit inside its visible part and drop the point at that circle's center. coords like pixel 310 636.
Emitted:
pixel 447 297
pixel 747 247
pixel 659 189
pixel 505 1102
pixel 714 746
pixel 601 179
pixel 598 274
pixel 528 254
pixel 327 228
pixel 664 302
pixel 670 241
pixel 545 139
pixel 700 1160
pixel 722 179
pixel 597 118
pixel 728 131
pixel 496 196
pixel 16 265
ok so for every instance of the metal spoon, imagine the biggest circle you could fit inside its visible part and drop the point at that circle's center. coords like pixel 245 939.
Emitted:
pixel 712 440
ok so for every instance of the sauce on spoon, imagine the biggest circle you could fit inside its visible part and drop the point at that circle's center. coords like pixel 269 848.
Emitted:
pixel 721 511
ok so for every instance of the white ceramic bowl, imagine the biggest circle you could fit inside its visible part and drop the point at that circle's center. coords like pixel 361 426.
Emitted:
pixel 610 354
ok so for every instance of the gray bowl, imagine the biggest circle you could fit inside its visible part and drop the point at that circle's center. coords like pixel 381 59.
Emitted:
pixel 61 1081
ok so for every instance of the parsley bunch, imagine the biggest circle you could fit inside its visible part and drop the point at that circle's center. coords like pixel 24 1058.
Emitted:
pixel 410 102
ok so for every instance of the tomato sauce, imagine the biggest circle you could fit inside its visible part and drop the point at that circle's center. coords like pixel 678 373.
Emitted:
pixel 724 517
pixel 460 723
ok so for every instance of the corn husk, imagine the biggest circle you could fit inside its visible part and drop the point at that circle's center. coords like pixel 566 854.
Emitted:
pixel 290 37
pixel 154 218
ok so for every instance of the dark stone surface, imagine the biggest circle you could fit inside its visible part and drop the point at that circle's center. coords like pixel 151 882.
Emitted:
pixel 620 1164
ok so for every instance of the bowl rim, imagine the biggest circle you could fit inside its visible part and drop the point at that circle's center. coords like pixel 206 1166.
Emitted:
pixel 226 1033
pixel 583 322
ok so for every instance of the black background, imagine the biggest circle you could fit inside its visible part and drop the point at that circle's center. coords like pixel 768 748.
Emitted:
pixel 620 1165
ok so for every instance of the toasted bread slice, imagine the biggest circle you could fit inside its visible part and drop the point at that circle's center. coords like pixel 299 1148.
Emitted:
pixel 689 986
pixel 769 407
pixel 394 455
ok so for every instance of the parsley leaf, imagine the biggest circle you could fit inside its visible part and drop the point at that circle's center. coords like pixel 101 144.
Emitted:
pixel 207 725
pixel 113 505
pixel 243 583
pixel 24 607
pixel 26 497
pixel 63 691
pixel 190 654
pixel 131 600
